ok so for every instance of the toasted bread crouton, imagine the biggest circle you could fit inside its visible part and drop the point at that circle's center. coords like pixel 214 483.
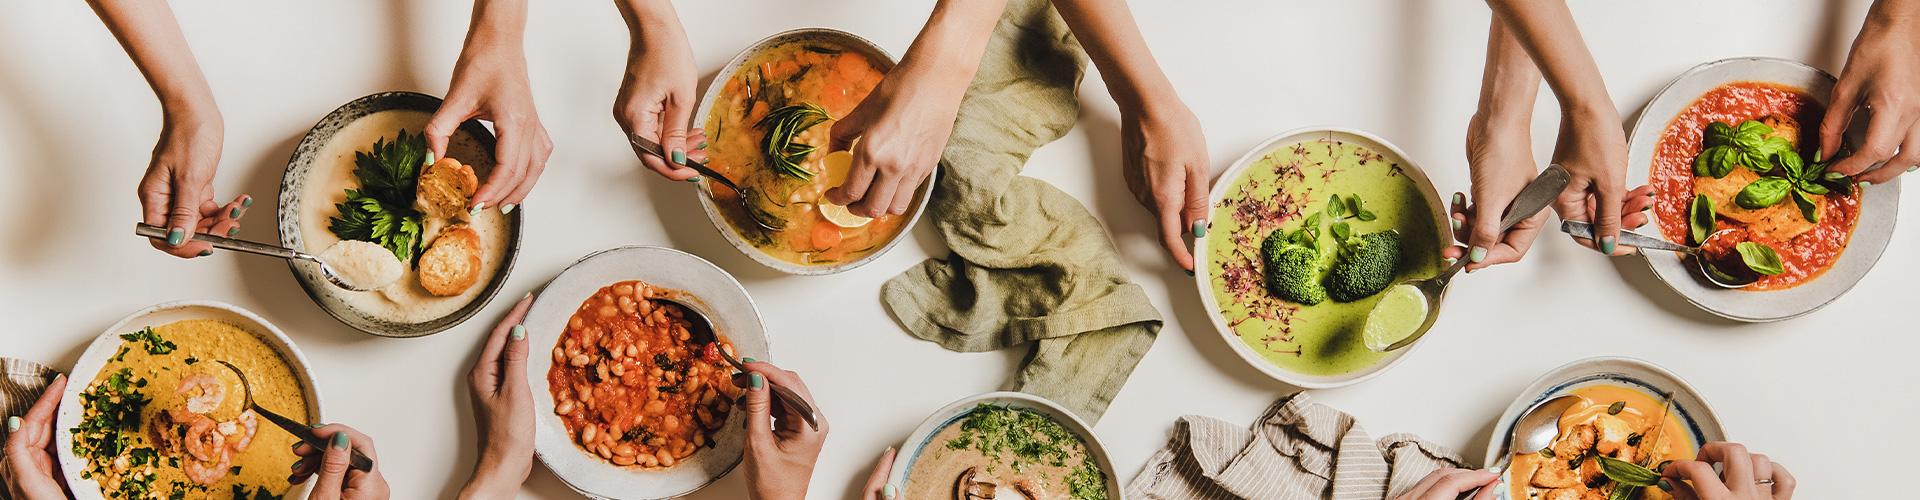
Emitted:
pixel 1555 474
pixel 1783 127
pixel 1614 432
pixel 1573 494
pixel 452 264
pixel 446 188
pixel 1780 222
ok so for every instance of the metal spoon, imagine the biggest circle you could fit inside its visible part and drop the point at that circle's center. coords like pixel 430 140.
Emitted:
pixel 760 216
pixel 1535 430
pixel 1579 229
pixel 299 430
pixel 158 233
pixel 700 332
pixel 1531 200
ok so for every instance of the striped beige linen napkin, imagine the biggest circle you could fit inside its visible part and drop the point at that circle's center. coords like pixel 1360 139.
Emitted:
pixel 21 383
pixel 1298 450
pixel 1031 267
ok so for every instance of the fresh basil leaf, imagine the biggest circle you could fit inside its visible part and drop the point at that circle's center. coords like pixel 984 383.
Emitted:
pixel 1763 192
pixel 1341 231
pixel 1627 473
pixel 1811 187
pixel 1760 258
pixel 1366 216
pixel 1313 221
pixel 1716 162
pixel 1809 205
pixel 1757 160
pixel 1354 205
pixel 1751 133
pixel 1335 207
pixel 1790 161
pixel 1622 492
pixel 1700 219
pixel 1719 134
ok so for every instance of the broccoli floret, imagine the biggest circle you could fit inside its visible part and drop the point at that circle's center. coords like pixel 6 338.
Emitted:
pixel 1366 267
pixel 1293 271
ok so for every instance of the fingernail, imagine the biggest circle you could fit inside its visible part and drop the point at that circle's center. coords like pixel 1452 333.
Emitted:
pixel 235 231
pixel 340 440
pixel 1913 168
pixel 296 464
pixel 13 423
pixel 176 237
pixel 679 157
pixel 1456 224
pixel 1459 199
pixel 1199 229
pixel 759 381
pixel 507 208
pixel 235 213
pixel 1478 254
pixel 748 359
pixel 477 207
pixel 204 253
pixel 1448 262
pixel 888 492
pixel 1188 271
pixel 693 179
pixel 295 446
pixel 1607 243
pixel 703 145
pixel 291 479
pixel 246 201
pixel 1866 183
pixel 519 333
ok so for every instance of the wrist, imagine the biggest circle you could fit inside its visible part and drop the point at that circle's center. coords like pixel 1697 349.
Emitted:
pixel 493 479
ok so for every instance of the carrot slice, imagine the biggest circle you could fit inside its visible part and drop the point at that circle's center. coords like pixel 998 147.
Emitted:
pixel 825 235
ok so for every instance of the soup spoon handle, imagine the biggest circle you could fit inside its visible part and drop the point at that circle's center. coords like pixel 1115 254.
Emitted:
pixel 1583 229
pixel 158 233
pixel 653 148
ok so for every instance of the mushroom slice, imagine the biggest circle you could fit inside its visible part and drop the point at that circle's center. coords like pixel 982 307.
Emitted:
pixel 970 486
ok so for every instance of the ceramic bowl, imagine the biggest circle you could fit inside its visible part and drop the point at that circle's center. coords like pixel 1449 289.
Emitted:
pixel 922 436
pixel 292 184
pixel 826 35
pixel 709 290
pixel 1880 205
pixel 108 343
pixel 1692 409
pixel 1203 258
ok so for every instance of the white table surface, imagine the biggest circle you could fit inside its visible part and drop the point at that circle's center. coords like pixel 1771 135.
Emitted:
pixel 77 124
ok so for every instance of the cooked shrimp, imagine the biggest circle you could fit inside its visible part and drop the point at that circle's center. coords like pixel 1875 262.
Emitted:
pixel 203 392
pixel 207 472
pixel 204 442
pixel 240 430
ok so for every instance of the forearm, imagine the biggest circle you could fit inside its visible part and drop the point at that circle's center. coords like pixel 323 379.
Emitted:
pixel 1894 16
pixel 1113 41
pixel 1546 30
pixel 152 38
pixel 497 24
pixel 650 20
pixel 1509 85
pixel 948 50
pixel 491 480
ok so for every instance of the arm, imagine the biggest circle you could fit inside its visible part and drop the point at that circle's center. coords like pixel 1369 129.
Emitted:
pixel 905 122
pixel 1882 74
pixel 490 83
pixel 177 190
pixel 502 409
pixel 1499 156
pixel 657 96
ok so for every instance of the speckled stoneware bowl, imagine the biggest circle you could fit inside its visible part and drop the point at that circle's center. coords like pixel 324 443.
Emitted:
pixel 826 35
pixel 292 185
pixel 712 292
pixel 108 343
pixel 1692 409
pixel 922 436
pixel 1879 207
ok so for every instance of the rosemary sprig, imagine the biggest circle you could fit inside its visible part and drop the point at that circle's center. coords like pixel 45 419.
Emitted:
pixel 779 149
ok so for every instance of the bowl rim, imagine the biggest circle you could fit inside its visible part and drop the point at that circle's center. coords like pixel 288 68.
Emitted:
pixel 93 360
pixel 288 225
pixel 1203 258
pixel 887 62
pixel 917 441
pixel 1669 272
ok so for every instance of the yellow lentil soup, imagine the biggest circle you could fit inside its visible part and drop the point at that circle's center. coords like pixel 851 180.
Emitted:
pixel 818 77
pixel 163 420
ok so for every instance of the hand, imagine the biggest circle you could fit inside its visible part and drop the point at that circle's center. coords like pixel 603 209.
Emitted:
pixel 903 126
pixel 1593 149
pixel 877 487
pixel 490 83
pixel 781 448
pixel 1695 479
pixel 1501 159
pixel 36 475
pixel 337 480
pixel 1883 75
pixel 657 97
pixel 1448 484
pixel 1167 170
pixel 502 409
pixel 177 191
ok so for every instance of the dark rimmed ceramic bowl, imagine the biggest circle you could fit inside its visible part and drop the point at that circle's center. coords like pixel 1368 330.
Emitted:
pixel 293 182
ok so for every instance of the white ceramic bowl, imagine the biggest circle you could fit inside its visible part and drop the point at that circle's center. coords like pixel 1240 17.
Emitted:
pixel 837 37
pixel 953 412
pixel 712 292
pixel 1692 409
pixel 104 347
pixel 1203 258
pixel 1879 207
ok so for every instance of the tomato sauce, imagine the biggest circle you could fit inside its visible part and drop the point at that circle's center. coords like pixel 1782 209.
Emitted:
pixel 1804 257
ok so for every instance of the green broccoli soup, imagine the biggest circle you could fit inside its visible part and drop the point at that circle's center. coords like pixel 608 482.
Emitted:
pixel 1303 242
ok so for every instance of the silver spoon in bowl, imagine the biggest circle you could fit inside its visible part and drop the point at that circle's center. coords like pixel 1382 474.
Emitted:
pixel 700 332
pixel 304 432
pixel 1535 430
pixel 1532 199
pixel 159 233
pixel 1579 229
pixel 760 216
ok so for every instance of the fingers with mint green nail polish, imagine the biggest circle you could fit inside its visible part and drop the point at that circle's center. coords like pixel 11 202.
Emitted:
pixel 1477 254
pixel 693 179
pixel 176 237
pixel 758 381
pixel 703 145
pixel 518 333
pixel 1608 243
pixel 748 359
pixel 235 213
pixel 233 232
pixel 13 423
pixel 679 157
pixel 341 441
pixel 1199 229
pixel 246 201
pixel 204 253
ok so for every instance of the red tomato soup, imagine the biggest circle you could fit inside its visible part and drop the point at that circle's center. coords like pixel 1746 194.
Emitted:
pixel 1804 256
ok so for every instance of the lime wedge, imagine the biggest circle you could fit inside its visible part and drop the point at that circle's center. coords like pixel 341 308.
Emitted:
pixel 1400 311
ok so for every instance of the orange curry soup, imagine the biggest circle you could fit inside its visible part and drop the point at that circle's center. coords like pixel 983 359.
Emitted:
pixel 1613 421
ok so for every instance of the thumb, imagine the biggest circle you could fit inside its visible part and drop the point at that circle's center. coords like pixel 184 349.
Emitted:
pixel 1607 218
pixel 183 211
pixel 332 477
pixel 447 119
pixel 850 127
pixel 759 410
pixel 1485 233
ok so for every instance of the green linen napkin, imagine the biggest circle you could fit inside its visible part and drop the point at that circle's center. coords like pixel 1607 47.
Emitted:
pixel 1029 263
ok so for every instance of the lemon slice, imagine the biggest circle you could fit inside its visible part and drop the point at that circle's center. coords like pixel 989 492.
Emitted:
pixel 840 216
pixel 1400 311
pixel 837 164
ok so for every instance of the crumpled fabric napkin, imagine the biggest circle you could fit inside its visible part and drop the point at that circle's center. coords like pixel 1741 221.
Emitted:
pixel 1297 450
pixel 1030 265
pixel 21 383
